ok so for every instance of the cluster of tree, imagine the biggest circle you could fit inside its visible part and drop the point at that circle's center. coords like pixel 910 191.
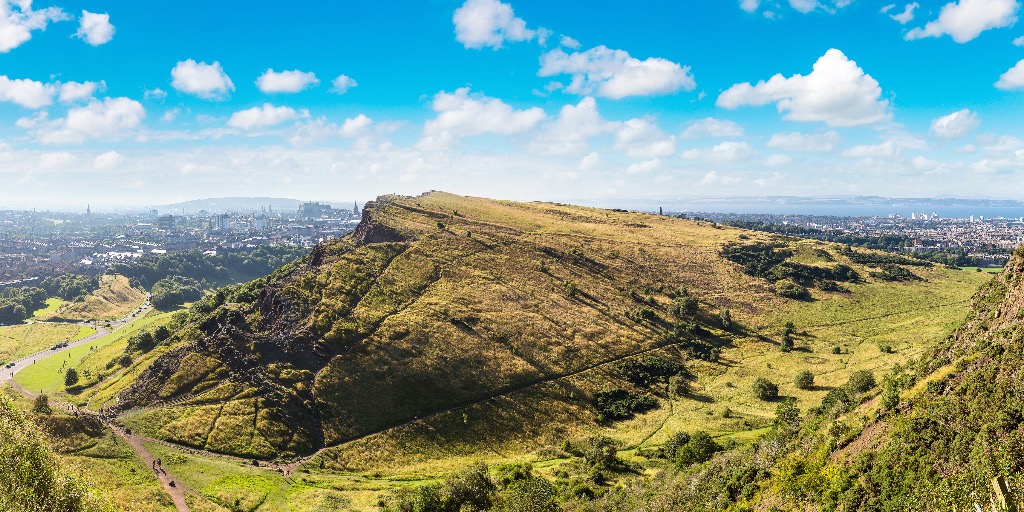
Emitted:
pixel 875 259
pixel 620 404
pixel 209 269
pixel 647 370
pixel 70 287
pixel 889 272
pixel 514 488
pixel 174 291
pixel 17 304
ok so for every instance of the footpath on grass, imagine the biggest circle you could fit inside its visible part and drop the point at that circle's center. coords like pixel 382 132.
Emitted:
pixel 174 489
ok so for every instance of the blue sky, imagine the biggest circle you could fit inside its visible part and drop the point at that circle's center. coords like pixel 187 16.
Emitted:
pixel 137 103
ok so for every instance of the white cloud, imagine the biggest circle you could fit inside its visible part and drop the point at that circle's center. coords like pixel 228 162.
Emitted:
pixel 355 126
pixel 967 19
pixel 645 166
pixel 1019 41
pixel 903 17
pixel 778 160
pixel 750 5
pixel 154 94
pixel 890 149
pixel 795 141
pixel 955 125
pixel 806 6
pixel 575 125
pixel 26 93
pixel 461 115
pixel 1013 78
pixel 836 92
pixel 58 160
pixel 108 160
pixel 729 151
pixel 262 117
pixel 713 178
pixel 641 138
pixel 286 81
pixel 711 127
pixel 570 43
pixel 480 23
pixel 207 81
pixel 18 20
pixel 75 91
pixel 99 119
pixel 342 84
pixel 615 74
pixel 1003 144
pixel 95 28
pixel 590 161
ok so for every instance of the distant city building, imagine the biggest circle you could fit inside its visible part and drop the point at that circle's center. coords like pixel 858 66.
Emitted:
pixel 165 222
pixel 315 210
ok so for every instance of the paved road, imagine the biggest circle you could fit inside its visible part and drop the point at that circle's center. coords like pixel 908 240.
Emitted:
pixel 7 374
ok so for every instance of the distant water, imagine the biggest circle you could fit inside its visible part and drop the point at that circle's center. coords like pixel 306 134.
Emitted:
pixel 961 211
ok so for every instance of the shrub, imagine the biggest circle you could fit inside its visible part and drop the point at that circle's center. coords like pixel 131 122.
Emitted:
pixel 765 389
pixel 790 290
pixel 619 404
pixel 41 405
pixel 891 272
pixel 787 343
pixel 646 370
pixel 804 380
pixel 699 448
pixel 725 317
pixel 678 385
pixel 860 381
pixel 70 377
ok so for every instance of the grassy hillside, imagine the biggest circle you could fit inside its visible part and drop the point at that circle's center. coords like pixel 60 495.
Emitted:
pixel 448 328
pixel 17 341
pixel 31 477
pixel 114 299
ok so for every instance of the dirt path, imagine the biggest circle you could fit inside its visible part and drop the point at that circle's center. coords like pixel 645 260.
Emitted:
pixel 171 486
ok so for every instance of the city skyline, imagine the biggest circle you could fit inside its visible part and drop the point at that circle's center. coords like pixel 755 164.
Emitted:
pixel 126 104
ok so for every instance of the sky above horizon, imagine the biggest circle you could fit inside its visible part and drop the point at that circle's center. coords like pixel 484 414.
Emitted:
pixel 119 103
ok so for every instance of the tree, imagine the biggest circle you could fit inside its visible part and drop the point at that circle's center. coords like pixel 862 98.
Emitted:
pixel 860 381
pixel 70 377
pixel 787 343
pixel 699 448
pixel 765 389
pixel 804 380
pixel 41 405
pixel 726 318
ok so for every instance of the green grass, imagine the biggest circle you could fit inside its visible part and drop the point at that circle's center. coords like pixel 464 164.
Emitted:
pixel 17 341
pixel 990 270
pixel 52 304
pixel 114 299
pixel 44 374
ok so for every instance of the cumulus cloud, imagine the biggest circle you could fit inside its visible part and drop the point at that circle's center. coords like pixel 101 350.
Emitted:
pixel 778 160
pixel 74 91
pixel 262 117
pixel 836 92
pixel 355 126
pixel 750 5
pixel 967 19
pixel 154 94
pixel 18 20
pixel 570 43
pixel 641 138
pixel 615 74
pixel 729 151
pixel 480 23
pixel 1013 78
pixel 713 178
pixel 955 125
pixel 26 93
pixel 711 127
pixel 460 114
pixel 645 166
pixel 904 17
pixel 887 149
pixel 57 160
pixel 575 125
pixel 285 81
pixel 342 84
pixel 207 81
pixel 99 119
pixel 590 161
pixel 95 28
pixel 795 141
pixel 108 160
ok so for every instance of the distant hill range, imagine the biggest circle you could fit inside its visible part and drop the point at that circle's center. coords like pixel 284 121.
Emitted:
pixel 239 204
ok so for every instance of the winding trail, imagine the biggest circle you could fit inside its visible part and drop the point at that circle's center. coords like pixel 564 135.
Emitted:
pixel 171 486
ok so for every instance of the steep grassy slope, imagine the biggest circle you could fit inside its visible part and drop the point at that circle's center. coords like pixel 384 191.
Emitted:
pixel 458 323
pixel 31 477
pixel 114 299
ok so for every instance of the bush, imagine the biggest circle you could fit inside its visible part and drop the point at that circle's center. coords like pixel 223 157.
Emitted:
pixel 41 405
pixel 725 317
pixel 70 377
pixel 860 381
pixel 646 370
pixel 790 290
pixel 174 291
pixel 678 386
pixel 787 343
pixel 619 404
pixel 765 389
pixel 804 380
pixel 699 448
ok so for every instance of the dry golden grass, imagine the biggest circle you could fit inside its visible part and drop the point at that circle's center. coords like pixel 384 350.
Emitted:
pixel 113 300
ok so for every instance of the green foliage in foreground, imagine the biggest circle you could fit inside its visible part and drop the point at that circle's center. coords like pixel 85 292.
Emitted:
pixel 30 476
pixel 174 291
